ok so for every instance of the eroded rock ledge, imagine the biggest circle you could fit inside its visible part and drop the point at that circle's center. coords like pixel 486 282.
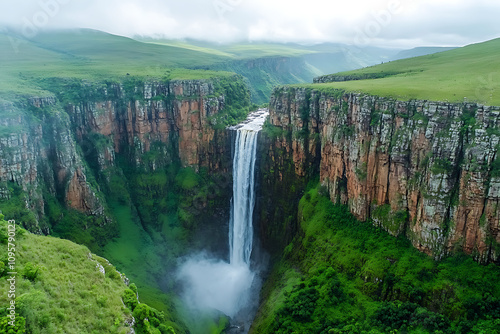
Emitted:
pixel 428 170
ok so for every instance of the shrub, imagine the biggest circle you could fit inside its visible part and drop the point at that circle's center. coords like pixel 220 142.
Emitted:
pixel 30 271
pixel 130 299
pixel 18 328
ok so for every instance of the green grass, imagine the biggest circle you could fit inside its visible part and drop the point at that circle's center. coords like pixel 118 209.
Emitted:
pixel 259 50
pixel 241 50
pixel 92 56
pixel 69 294
pixel 60 289
pixel 471 73
pixel 96 56
pixel 340 275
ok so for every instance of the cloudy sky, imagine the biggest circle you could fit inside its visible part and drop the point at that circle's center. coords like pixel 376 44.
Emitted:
pixel 396 23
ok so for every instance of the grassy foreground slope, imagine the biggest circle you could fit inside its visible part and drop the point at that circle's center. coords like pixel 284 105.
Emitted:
pixel 470 73
pixel 340 275
pixel 63 288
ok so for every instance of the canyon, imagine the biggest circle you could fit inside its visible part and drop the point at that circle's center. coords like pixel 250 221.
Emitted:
pixel 61 147
pixel 92 158
pixel 427 170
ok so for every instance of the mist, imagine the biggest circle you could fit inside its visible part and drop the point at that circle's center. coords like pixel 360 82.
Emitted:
pixel 212 284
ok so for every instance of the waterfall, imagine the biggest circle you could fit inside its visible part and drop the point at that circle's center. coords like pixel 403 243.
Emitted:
pixel 240 226
pixel 243 202
pixel 214 284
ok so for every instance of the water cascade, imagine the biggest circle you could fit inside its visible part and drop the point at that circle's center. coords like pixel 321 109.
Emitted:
pixel 240 227
pixel 217 284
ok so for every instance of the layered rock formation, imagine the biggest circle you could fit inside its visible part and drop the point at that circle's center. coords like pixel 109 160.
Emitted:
pixel 428 170
pixel 58 145
pixel 175 113
pixel 39 154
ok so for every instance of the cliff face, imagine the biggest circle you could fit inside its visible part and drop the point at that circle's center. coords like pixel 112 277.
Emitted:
pixel 38 153
pixel 175 114
pixel 428 170
pixel 57 146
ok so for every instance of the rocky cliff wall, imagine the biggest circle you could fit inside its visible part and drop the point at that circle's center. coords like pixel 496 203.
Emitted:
pixel 176 114
pixel 39 154
pixel 61 146
pixel 428 170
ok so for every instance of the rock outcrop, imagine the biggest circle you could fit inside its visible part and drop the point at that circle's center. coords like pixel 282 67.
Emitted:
pixel 176 114
pixel 57 146
pixel 38 153
pixel 428 170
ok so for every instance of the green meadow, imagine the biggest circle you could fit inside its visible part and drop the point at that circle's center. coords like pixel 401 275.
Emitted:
pixel 59 288
pixel 92 56
pixel 95 56
pixel 470 73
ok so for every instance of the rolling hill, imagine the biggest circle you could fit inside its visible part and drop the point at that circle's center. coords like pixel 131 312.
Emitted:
pixel 470 73
pixel 93 55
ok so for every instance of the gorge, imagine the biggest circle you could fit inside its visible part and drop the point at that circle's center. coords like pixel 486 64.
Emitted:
pixel 231 287
pixel 339 186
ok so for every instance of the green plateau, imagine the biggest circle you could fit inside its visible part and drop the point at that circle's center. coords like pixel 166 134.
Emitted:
pixel 467 74
pixel 95 56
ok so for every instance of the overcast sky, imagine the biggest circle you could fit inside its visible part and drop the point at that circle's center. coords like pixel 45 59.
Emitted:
pixel 396 23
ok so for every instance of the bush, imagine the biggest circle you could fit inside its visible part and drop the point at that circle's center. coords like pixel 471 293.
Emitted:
pixel 130 299
pixel 147 319
pixel 302 304
pixel 390 316
pixel 18 328
pixel 30 271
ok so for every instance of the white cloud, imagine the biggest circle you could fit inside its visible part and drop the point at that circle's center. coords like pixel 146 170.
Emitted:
pixel 402 23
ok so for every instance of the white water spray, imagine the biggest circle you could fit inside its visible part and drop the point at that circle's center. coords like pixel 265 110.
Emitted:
pixel 216 284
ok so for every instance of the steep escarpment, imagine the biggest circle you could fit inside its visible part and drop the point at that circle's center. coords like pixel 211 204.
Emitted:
pixel 178 114
pixel 427 170
pixel 39 157
pixel 65 151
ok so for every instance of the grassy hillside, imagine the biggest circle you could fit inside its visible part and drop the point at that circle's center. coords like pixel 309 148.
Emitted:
pixel 420 51
pixel 93 56
pixel 62 288
pixel 340 275
pixel 96 56
pixel 238 50
pixel 469 73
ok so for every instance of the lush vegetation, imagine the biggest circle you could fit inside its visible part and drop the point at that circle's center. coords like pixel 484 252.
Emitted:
pixel 61 287
pixel 91 56
pixel 162 216
pixel 340 275
pixel 96 56
pixel 465 74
